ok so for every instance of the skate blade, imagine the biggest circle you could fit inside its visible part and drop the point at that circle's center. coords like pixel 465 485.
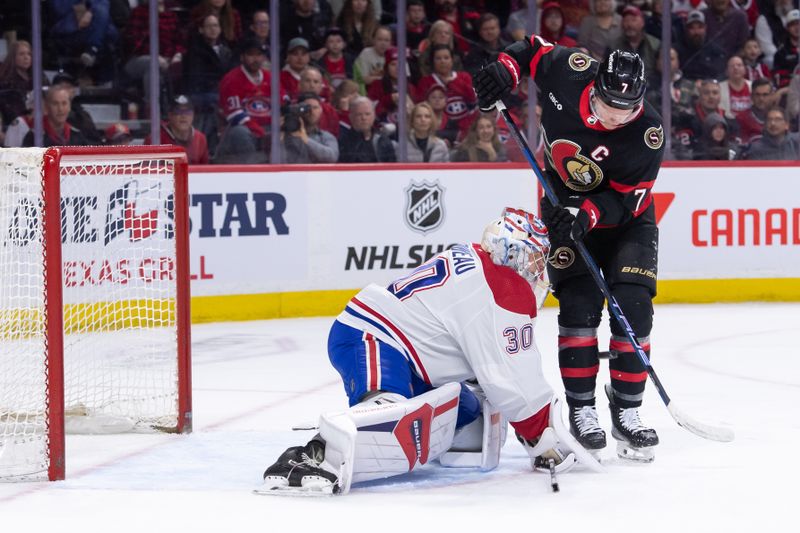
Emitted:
pixel 636 455
pixel 295 492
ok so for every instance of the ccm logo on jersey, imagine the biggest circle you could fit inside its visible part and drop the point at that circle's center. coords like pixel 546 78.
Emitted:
pixel 654 137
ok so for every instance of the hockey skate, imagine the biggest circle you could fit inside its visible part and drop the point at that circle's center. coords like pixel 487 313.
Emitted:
pixel 297 472
pixel 635 441
pixel 585 427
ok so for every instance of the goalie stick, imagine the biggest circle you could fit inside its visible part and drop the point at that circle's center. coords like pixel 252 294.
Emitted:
pixel 707 431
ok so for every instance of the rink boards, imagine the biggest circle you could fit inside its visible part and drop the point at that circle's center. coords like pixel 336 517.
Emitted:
pixel 274 241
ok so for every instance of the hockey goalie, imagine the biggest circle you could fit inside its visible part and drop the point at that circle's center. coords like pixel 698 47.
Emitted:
pixel 434 365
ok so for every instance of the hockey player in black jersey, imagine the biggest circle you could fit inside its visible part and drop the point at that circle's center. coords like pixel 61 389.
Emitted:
pixel 604 146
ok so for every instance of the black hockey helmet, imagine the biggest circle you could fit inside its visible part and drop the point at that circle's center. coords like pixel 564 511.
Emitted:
pixel 620 80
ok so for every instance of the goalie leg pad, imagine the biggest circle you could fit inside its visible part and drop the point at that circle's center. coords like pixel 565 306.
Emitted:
pixel 478 444
pixel 388 434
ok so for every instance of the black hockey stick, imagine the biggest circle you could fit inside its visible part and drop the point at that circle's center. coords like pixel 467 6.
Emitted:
pixel 685 421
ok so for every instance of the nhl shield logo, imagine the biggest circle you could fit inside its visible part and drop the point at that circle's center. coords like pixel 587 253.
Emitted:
pixel 424 206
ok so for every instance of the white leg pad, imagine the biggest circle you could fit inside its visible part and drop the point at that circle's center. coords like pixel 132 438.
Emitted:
pixel 478 444
pixel 378 440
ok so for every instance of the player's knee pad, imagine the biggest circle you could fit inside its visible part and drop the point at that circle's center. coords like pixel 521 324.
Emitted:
pixel 478 443
pixel 637 306
pixel 580 303
pixel 388 435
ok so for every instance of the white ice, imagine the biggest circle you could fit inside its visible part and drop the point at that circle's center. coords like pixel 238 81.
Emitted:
pixel 733 365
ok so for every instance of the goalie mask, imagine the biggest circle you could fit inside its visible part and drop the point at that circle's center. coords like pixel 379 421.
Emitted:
pixel 518 240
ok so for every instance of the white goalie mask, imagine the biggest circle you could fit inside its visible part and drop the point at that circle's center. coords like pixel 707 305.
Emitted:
pixel 519 240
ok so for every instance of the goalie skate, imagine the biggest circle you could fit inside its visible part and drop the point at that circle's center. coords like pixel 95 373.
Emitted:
pixel 635 441
pixel 298 472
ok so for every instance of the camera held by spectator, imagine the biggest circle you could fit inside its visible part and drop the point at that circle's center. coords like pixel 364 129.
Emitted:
pixel 293 115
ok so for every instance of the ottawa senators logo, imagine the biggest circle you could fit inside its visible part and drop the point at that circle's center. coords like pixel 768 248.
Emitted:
pixel 562 258
pixel 579 62
pixel 577 171
pixel 654 137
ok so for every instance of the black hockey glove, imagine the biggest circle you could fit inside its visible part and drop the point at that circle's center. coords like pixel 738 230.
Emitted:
pixel 496 80
pixel 558 221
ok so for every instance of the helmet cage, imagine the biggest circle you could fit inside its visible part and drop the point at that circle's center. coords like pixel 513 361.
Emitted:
pixel 518 240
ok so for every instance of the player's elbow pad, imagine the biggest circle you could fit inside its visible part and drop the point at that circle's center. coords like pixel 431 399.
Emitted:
pixel 522 53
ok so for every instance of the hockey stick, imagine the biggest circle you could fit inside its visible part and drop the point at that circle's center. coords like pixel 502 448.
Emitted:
pixel 701 429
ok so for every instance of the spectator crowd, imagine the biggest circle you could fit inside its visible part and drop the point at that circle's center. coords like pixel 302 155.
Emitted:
pixel 734 78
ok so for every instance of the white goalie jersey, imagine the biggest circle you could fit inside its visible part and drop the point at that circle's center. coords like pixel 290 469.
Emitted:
pixel 458 317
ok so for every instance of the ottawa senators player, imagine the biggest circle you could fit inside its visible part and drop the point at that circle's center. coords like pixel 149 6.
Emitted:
pixel 604 146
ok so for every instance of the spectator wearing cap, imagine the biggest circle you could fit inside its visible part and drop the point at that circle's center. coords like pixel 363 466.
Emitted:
pixel 244 97
pixel 297 58
pixel 699 59
pixel 336 63
pixel 489 44
pixel 84 28
pixel 302 139
pixel 447 129
pixel 369 64
pixel 259 31
pixel 229 18
pixel 417 25
pixel 786 58
pixel 118 134
pixel 178 130
pixel 776 143
pixel 361 143
pixel 461 99
pixel 384 91
pixel 726 26
pixel 600 29
pixel 57 130
pixel 78 117
pixel 358 21
pixel 136 41
pixel 308 19
pixel 770 28
pixel 634 39
pixel 312 82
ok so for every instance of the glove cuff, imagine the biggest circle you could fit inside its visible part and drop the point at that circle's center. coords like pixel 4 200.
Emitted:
pixel 592 214
pixel 511 66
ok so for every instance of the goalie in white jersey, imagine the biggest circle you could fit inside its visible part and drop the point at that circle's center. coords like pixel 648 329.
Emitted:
pixel 433 366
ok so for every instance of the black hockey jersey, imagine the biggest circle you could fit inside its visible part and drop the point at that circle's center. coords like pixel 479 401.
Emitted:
pixel 613 169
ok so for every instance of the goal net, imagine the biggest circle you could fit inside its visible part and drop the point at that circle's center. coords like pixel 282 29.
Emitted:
pixel 94 298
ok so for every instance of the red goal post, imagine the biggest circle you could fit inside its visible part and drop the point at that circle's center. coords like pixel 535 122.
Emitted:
pixel 94 299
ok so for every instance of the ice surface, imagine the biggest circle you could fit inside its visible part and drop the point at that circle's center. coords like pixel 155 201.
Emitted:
pixel 733 365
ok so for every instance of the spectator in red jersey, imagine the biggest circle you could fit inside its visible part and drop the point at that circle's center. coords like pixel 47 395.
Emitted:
pixel 297 58
pixel 244 97
pixel 440 33
pixel 57 131
pixel 346 92
pixel 489 44
pixel 735 91
pixel 482 144
pixel 357 20
pixel 461 99
pixel 384 91
pixel 178 130
pixel 755 67
pixel 312 82
pixel 751 122
pixel 446 129
pixel 368 66
pixel 726 26
pixel 786 58
pixel 117 134
pixel 336 63
pixel 553 27
pixel 461 18
pixel 229 18
pixel 417 26
pixel 136 40
pixel 600 29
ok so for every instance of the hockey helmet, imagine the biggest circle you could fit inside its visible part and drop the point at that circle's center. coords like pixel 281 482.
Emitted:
pixel 519 240
pixel 620 81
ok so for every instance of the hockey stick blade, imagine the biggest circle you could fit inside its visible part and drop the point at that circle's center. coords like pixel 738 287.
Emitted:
pixel 700 429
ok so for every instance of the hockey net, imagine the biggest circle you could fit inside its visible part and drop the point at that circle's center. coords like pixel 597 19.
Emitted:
pixel 94 324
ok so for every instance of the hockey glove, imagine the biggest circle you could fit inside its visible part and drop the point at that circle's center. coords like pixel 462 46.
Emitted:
pixel 558 220
pixel 586 219
pixel 496 80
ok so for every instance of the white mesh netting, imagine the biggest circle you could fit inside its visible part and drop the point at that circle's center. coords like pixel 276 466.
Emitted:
pixel 119 302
